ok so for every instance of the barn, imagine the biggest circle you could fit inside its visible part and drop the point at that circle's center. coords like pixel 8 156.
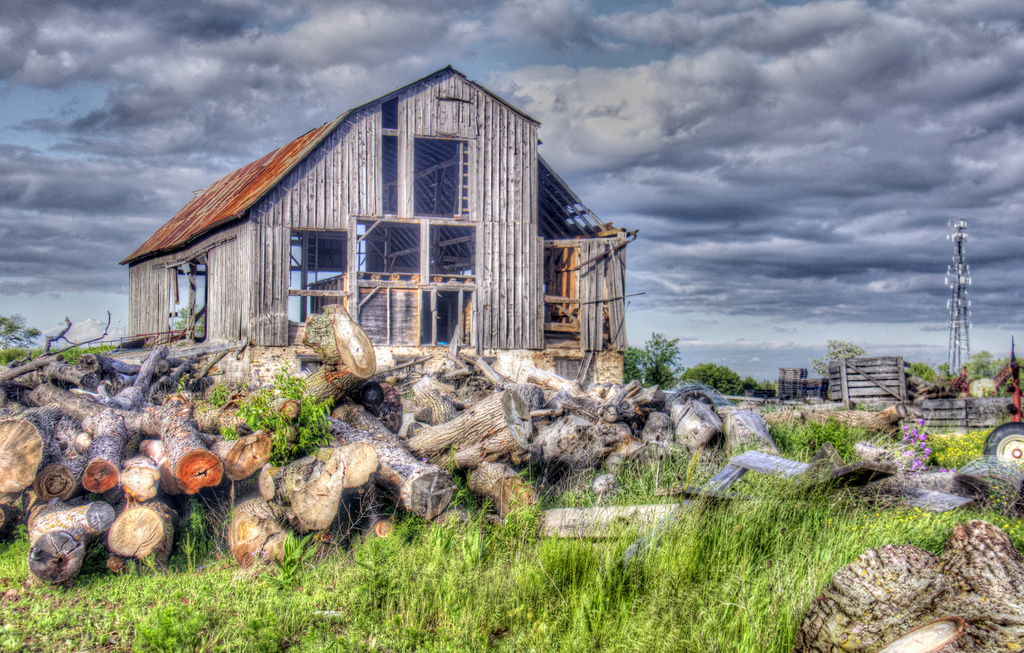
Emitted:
pixel 427 212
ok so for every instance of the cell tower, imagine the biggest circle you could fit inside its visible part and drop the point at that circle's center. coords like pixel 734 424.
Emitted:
pixel 958 277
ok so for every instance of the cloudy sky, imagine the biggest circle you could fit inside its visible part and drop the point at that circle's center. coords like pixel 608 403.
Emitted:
pixel 792 166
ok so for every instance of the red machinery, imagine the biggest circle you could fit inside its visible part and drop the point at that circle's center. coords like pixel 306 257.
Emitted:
pixel 1007 441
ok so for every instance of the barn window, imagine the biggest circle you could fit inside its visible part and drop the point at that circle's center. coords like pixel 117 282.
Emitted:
pixel 452 250
pixel 188 300
pixel 389 114
pixel 389 174
pixel 389 247
pixel 440 178
pixel 319 261
pixel 441 314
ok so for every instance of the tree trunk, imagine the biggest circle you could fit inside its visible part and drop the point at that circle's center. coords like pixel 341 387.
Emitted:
pixel 497 417
pixel 577 443
pixel 422 488
pixel 212 420
pixel 60 478
pixel 9 374
pixel 532 395
pixel 658 428
pixel 67 373
pixel 255 534
pixel 135 395
pixel 144 530
pixel 500 484
pixel 437 407
pixel 194 466
pixel 745 430
pixel 245 456
pixel 104 467
pixel 81 408
pixel 889 591
pixel 552 381
pixel 154 449
pixel 59 537
pixel 696 424
pixel 338 340
pixel 140 478
pixel 24 442
pixel 309 489
pixel 105 366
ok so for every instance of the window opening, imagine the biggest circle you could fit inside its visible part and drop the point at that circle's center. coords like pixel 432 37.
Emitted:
pixel 440 178
pixel 187 318
pixel 452 250
pixel 389 114
pixel 441 313
pixel 389 174
pixel 389 247
pixel 317 275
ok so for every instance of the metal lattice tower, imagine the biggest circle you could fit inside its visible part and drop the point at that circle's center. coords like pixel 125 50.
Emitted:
pixel 958 277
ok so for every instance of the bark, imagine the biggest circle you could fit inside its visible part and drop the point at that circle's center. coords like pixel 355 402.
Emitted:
pixel 287 408
pixel 104 467
pixel 81 408
pixel 211 420
pixel 140 478
pixel 532 395
pixel 309 489
pixel 59 536
pixel 244 456
pixel 552 381
pixel 338 340
pixel 745 430
pixel 437 407
pixel 505 489
pixel 194 466
pixel 421 487
pixel 696 424
pixel 658 428
pixel 575 442
pixel 255 535
pixel 67 373
pixel 889 591
pixel 105 366
pixel 497 417
pixel 136 394
pixel 24 443
pixel 144 530
pixel 8 374
pixel 154 450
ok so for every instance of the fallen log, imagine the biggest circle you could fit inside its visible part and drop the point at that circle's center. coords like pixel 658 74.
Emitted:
pixel 658 428
pixel 104 467
pixel 746 430
pixel 309 489
pixel 552 381
pixel 500 484
pixel 143 530
pixel 498 416
pixel 603 521
pixel 421 487
pixel 437 407
pixel 890 591
pixel 105 366
pixel 9 374
pixel 194 466
pixel 82 408
pixel 154 450
pixel 24 442
pixel 337 339
pixel 135 395
pixel 254 534
pixel 243 456
pixel 60 477
pixel 696 424
pixel 59 536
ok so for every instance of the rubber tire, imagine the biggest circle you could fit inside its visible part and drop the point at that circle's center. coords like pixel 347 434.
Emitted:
pixel 1006 442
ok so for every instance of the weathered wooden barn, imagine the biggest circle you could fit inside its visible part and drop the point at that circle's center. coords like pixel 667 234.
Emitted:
pixel 426 210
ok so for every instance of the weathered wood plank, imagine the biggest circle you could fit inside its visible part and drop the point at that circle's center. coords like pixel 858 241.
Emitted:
pixel 603 521
pixel 764 463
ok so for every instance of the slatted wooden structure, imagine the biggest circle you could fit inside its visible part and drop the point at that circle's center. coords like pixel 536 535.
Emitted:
pixel 423 210
pixel 877 380
pixel 964 413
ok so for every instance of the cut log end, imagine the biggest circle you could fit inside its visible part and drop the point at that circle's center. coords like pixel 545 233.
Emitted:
pixel 56 557
pixel 197 469
pixel 100 476
pixel 21 452
pixel 55 481
pixel 428 494
pixel 928 638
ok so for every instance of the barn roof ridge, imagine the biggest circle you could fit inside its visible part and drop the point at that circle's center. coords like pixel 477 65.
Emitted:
pixel 229 197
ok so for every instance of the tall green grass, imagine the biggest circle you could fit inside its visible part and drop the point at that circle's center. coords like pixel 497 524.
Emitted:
pixel 723 577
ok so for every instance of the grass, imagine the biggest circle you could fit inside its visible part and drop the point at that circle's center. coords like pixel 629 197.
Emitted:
pixel 734 577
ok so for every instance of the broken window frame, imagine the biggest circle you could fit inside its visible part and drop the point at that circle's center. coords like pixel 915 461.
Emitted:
pixel 391 241
pixel 195 308
pixel 430 171
pixel 313 282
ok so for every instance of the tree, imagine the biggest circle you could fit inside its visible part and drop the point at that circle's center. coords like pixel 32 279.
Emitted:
pixel 836 350
pixel 923 371
pixel 656 363
pixel 14 333
pixel 719 377
pixel 984 366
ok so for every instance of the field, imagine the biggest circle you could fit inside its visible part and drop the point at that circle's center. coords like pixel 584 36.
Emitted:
pixel 734 577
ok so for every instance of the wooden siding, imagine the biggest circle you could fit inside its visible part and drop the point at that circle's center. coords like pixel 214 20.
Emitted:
pixel 390 316
pixel 602 285
pixel 228 282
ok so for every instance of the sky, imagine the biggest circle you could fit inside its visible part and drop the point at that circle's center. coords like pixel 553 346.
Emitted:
pixel 792 167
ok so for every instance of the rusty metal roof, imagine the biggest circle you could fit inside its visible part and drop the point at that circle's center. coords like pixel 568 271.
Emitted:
pixel 229 197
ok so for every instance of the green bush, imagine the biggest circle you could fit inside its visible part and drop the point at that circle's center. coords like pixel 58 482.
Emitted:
pixel 291 440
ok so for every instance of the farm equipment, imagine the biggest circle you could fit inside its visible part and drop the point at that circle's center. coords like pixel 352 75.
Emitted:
pixel 1006 442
